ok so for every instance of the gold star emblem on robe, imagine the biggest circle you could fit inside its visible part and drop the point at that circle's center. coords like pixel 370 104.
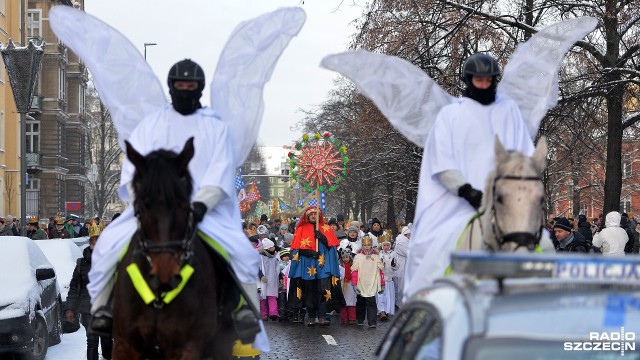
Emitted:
pixel 321 260
pixel 327 295
pixel 305 242
pixel 312 270
pixel 325 227
pixel 299 293
pixel 296 257
pixel 334 280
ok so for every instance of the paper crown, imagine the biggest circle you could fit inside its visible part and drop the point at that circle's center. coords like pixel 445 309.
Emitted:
pixel 94 230
pixel 33 220
pixel 367 241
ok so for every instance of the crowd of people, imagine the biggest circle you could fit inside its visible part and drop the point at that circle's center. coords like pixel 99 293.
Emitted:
pixel 352 268
pixel 615 234
pixel 59 227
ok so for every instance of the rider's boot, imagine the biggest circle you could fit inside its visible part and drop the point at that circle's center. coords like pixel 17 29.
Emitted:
pixel 102 317
pixel 245 319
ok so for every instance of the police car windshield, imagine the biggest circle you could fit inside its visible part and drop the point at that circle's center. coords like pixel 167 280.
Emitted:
pixel 491 349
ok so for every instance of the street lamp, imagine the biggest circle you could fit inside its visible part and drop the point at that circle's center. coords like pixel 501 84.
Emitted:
pixel 145 49
pixel 22 64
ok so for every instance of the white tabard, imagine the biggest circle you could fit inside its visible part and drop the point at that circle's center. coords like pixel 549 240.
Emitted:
pixel 461 139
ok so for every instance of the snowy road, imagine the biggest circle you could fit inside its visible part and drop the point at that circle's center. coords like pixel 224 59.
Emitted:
pixel 72 347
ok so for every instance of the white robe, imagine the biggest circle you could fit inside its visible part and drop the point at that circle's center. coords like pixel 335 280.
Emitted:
pixel 461 139
pixel 211 165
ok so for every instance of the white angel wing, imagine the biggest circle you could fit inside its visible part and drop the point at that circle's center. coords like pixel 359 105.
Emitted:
pixel 531 75
pixel 124 80
pixel 245 65
pixel 404 93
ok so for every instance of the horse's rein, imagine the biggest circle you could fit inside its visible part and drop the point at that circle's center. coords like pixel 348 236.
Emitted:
pixel 500 237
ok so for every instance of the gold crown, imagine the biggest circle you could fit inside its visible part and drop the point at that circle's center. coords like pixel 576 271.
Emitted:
pixel 94 230
pixel 33 220
pixel 367 241
pixel 384 238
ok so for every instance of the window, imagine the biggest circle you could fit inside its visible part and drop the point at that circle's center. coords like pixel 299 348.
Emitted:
pixel 2 130
pixel 281 192
pixel 61 81
pixel 33 184
pixel 272 192
pixel 81 100
pixel 625 204
pixel 33 137
pixel 626 166
pixel 33 196
pixel 34 23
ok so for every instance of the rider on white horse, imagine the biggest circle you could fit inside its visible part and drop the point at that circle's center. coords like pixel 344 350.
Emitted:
pixel 459 154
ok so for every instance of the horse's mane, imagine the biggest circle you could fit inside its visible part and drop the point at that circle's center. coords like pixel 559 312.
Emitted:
pixel 161 178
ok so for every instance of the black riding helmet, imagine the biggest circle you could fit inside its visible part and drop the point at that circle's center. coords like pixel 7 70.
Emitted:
pixel 480 65
pixel 186 70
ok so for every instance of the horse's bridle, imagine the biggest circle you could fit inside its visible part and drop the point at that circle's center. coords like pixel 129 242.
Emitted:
pixel 184 245
pixel 528 240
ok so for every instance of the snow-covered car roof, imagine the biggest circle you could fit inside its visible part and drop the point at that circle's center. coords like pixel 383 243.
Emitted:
pixel 19 259
pixel 62 253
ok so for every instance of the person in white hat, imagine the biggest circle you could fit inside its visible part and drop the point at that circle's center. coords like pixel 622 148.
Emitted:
pixel 269 274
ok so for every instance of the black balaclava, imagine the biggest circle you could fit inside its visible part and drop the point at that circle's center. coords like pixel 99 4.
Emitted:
pixel 186 102
pixel 483 96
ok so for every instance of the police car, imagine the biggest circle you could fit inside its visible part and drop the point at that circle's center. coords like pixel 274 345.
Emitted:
pixel 522 306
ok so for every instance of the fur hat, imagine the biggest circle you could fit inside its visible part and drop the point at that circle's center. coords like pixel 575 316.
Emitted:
pixel 367 241
pixel 266 243
pixel 353 228
pixel 563 224
pixel 405 230
pixel 262 230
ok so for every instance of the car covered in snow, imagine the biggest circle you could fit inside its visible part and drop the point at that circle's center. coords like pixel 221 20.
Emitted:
pixel 63 255
pixel 522 306
pixel 30 300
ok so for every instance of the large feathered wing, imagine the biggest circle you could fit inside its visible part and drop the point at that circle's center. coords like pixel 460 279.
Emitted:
pixel 245 66
pixel 124 80
pixel 531 75
pixel 405 94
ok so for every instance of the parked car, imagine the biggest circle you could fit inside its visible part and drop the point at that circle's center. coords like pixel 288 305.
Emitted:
pixel 529 306
pixel 63 255
pixel 30 301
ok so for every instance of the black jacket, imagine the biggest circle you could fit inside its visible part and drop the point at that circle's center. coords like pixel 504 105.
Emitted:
pixel 78 299
pixel 578 244
pixel 584 228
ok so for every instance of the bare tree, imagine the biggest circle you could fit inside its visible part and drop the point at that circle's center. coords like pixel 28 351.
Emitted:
pixel 105 155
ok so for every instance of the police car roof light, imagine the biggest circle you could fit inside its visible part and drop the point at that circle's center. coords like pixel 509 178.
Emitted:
pixel 560 266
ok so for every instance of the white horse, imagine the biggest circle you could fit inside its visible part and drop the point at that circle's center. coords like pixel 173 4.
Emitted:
pixel 512 216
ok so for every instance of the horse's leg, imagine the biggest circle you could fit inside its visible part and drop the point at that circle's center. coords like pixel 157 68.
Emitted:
pixel 190 351
pixel 122 350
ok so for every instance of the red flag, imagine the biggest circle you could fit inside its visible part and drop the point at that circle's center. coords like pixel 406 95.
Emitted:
pixel 253 194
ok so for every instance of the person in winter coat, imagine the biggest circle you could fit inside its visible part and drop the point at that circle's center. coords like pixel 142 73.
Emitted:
pixel 612 239
pixel 269 276
pixel 386 301
pixel 59 232
pixel 79 303
pixel 348 312
pixel 401 247
pixel 366 277
pixel 584 228
pixel 34 232
pixel 567 239
pixel 626 224
pixel 352 241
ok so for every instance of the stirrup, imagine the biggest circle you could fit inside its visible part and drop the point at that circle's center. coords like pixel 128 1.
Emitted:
pixel 102 322
pixel 246 325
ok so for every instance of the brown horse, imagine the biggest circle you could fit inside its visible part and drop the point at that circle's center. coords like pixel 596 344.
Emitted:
pixel 163 310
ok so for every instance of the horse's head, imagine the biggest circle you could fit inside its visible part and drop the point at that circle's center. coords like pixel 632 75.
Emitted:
pixel 162 186
pixel 515 199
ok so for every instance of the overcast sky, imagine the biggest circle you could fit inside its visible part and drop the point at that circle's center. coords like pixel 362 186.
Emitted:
pixel 198 29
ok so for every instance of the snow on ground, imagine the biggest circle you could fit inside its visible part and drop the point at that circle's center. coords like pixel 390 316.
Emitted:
pixel 72 347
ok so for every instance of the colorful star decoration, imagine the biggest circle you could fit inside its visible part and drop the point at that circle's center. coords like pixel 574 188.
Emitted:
pixel 320 164
pixel 325 228
pixel 334 280
pixel 305 242
pixel 312 271
pixel 296 257
pixel 321 260
pixel 299 293
pixel 327 295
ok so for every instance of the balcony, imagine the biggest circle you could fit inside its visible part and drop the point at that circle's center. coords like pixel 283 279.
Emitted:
pixel 34 161
pixel 36 103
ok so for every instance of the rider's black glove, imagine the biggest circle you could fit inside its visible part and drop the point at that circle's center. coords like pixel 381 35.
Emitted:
pixel 473 196
pixel 199 209
pixel 309 253
pixel 322 238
